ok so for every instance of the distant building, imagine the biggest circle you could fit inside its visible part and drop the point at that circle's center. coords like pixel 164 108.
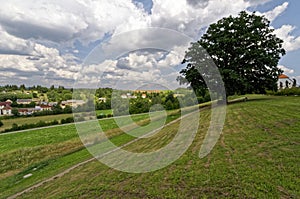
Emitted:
pixel 72 103
pixel 45 108
pixel 123 96
pixel 148 91
pixel 128 96
pixel 284 81
pixel 5 108
pixel 102 99
pixel 52 104
pixel 178 95
pixel 24 101
pixel 9 101
pixel 24 111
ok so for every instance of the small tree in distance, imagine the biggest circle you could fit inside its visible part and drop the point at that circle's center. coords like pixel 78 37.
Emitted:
pixel 244 49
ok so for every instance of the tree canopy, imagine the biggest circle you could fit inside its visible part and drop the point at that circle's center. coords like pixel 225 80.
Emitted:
pixel 245 50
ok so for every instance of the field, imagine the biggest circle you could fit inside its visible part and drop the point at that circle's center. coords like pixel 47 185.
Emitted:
pixel 257 156
pixel 7 123
pixel 29 120
pixel 103 112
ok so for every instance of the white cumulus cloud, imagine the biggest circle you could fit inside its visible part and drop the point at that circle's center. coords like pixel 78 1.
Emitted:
pixel 286 69
pixel 291 42
pixel 35 36
pixel 276 12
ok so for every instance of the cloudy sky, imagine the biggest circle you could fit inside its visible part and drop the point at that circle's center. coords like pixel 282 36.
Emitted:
pixel 121 43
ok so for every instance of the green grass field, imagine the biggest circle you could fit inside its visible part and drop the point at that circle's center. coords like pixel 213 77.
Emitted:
pixel 29 120
pixel 7 123
pixel 49 151
pixel 257 156
pixel 103 112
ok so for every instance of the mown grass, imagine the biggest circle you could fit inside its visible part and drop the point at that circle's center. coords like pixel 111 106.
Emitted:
pixel 103 112
pixel 21 150
pixel 7 123
pixel 48 151
pixel 257 156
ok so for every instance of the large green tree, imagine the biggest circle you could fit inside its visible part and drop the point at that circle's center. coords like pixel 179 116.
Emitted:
pixel 245 50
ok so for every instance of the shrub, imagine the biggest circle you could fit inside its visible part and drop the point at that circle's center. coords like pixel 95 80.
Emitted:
pixel 54 122
pixel 67 120
pixel 288 91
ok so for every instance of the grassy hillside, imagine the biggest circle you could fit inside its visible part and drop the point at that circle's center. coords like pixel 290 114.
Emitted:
pixel 257 156
pixel 46 152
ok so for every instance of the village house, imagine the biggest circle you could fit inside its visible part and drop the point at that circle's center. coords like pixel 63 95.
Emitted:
pixel 72 103
pixel 123 96
pixel 52 104
pixel 284 82
pixel 24 111
pixel 46 107
pixel 9 101
pixel 24 101
pixel 148 91
pixel 128 96
pixel 5 108
pixel 102 99
pixel 29 111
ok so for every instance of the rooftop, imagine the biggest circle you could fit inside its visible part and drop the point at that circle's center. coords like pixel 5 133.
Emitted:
pixel 283 76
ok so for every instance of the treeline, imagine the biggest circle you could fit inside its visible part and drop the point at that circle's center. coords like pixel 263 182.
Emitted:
pixel 14 96
pixel 22 87
pixel 167 101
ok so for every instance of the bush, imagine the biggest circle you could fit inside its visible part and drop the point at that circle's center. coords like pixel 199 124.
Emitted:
pixel 16 127
pixel 1 123
pixel 101 116
pixel 67 120
pixel 288 92
pixel 54 122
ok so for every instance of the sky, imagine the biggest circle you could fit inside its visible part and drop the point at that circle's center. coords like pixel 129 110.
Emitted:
pixel 121 43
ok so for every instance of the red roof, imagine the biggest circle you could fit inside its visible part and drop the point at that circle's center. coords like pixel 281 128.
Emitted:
pixel 7 108
pixel 5 103
pixel 283 76
pixel 45 106
pixel 23 110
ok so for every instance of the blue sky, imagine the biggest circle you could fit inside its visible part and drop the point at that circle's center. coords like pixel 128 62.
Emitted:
pixel 291 17
pixel 50 42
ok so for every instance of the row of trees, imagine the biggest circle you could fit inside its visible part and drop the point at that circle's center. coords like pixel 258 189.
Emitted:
pixel 22 87
pixel 14 96
pixel 167 101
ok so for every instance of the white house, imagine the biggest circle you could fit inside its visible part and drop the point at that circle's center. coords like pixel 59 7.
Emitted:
pixel 24 101
pixel 284 81
pixel 102 99
pixel 72 103
pixel 5 108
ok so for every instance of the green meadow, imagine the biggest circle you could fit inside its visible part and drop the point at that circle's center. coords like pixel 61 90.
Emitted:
pixel 257 156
